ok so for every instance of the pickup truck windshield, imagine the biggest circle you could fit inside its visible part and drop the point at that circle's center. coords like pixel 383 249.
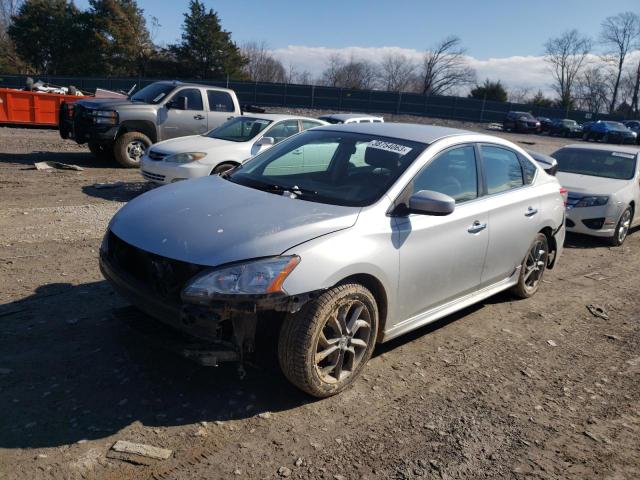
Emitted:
pixel 597 163
pixel 239 129
pixel 153 93
pixel 334 167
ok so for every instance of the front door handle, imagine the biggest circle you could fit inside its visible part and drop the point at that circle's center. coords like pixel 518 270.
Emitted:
pixel 476 227
pixel 531 212
pixel 199 117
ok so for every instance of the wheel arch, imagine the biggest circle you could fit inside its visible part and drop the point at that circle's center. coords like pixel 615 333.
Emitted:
pixel 376 287
pixel 553 245
pixel 143 126
pixel 235 163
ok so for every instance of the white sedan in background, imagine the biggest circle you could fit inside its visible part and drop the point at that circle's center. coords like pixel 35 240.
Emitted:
pixel 220 149
pixel 604 189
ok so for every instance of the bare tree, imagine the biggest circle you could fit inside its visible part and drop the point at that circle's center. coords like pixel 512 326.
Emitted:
pixel 566 55
pixel 445 68
pixel 519 94
pixel 356 74
pixel 618 34
pixel 635 89
pixel 294 76
pixel 8 56
pixel 397 73
pixel 261 65
pixel 592 89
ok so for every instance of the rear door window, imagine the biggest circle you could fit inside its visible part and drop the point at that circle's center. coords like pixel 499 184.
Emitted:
pixel 502 169
pixel 220 101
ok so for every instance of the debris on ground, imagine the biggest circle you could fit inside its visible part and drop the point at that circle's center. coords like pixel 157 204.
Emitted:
pixel 552 343
pixel 597 276
pixel 591 436
pixel 284 472
pixel 598 311
pixel 137 453
pixel 48 165
pixel 494 126
pixel 265 415
pixel 612 337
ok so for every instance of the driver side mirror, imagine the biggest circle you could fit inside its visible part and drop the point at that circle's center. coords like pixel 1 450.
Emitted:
pixel 265 141
pixel 428 202
pixel 179 103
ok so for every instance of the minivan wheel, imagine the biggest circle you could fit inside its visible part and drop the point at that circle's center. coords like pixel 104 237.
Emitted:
pixel 129 148
pixel 533 267
pixel 622 229
pixel 323 348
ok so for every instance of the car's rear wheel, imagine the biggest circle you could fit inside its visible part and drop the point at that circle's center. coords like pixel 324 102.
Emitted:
pixel 622 228
pixel 323 348
pixel 533 267
pixel 129 148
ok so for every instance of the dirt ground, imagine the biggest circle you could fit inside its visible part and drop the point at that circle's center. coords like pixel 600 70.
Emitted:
pixel 535 389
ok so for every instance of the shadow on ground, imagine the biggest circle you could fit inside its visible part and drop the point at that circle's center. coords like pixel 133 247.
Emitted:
pixel 117 191
pixel 577 240
pixel 70 370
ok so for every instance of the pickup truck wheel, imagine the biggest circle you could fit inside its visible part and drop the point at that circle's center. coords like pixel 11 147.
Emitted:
pixel 129 148
pixel 323 348
pixel 533 267
pixel 100 150
pixel 622 229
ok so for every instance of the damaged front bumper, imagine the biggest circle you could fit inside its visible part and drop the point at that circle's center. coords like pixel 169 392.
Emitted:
pixel 223 330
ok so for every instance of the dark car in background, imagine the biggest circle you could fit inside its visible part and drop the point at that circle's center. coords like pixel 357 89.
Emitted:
pixel 545 123
pixel 634 126
pixel 608 131
pixel 522 122
pixel 566 127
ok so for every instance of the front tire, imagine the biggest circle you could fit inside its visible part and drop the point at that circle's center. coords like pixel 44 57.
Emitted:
pixel 129 148
pixel 323 348
pixel 622 229
pixel 223 167
pixel 533 268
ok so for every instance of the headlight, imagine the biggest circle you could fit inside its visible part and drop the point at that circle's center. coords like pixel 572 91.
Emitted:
pixel 594 201
pixel 105 117
pixel 250 278
pixel 185 157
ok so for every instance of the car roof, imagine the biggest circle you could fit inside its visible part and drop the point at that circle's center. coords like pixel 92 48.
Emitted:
pixel 407 131
pixel 347 116
pixel 177 83
pixel 276 117
pixel 606 148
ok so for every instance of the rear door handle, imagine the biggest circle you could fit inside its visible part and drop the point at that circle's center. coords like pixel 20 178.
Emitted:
pixel 199 117
pixel 476 227
pixel 531 212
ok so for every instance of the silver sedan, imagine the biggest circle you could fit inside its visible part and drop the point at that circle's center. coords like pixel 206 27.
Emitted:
pixel 338 238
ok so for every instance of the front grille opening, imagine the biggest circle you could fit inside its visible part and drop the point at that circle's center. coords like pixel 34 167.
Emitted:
pixel 161 275
pixel 594 223
pixel 570 223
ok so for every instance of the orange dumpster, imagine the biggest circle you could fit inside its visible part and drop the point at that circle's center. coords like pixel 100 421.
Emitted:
pixel 31 108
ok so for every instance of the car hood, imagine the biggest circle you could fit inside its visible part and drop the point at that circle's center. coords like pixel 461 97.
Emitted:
pixel 589 184
pixel 212 221
pixel 108 103
pixel 195 143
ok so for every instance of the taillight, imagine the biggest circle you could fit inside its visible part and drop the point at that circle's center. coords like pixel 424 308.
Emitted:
pixel 565 194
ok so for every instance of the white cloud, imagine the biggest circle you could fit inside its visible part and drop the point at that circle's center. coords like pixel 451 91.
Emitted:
pixel 516 72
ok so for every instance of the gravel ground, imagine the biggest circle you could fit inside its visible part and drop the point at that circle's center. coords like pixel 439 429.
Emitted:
pixel 536 389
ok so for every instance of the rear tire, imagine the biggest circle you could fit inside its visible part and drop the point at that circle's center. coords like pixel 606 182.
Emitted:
pixel 323 348
pixel 533 268
pixel 129 148
pixel 622 228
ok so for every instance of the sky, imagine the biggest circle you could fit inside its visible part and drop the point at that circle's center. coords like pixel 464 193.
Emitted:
pixel 504 38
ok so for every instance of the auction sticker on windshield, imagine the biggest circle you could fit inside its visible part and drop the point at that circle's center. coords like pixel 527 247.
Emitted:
pixel 389 147
pixel 624 155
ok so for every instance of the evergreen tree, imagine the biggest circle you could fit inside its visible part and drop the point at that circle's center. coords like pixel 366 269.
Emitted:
pixel 125 44
pixel 206 50
pixel 489 91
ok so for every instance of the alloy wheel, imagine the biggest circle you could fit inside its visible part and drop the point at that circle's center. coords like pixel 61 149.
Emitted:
pixel 535 264
pixel 625 224
pixel 343 341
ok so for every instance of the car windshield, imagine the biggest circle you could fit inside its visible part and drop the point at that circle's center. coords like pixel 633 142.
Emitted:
pixel 596 163
pixel 239 129
pixel 615 126
pixel 335 167
pixel 153 93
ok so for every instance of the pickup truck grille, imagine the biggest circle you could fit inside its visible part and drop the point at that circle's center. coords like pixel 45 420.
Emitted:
pixel 153 155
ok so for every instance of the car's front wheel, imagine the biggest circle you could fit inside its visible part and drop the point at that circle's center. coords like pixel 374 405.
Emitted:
pixel 622 228
pixel 323 348
pixel 533 267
